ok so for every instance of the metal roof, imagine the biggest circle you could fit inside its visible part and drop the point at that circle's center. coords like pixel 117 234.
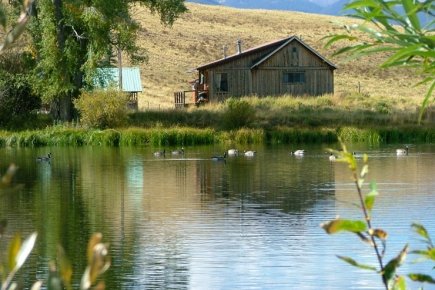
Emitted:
pixel 130 78
pixel 279 44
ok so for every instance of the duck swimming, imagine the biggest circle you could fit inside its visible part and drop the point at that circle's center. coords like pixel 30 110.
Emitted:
pixel 159 153
pixel 48 158
pixel 298 152
pixel 249 153
pixel 233 152
pixel 178 152
pixel 402 151
pixel 219 158
pixel 332 157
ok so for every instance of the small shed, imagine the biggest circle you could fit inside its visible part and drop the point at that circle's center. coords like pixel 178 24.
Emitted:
pixel 131 81
pixel 285 66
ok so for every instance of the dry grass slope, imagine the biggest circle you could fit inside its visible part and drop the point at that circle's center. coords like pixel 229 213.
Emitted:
pixel 199 35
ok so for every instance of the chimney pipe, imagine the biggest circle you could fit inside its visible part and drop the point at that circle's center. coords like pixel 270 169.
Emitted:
pixel 239 46
pixel 225 51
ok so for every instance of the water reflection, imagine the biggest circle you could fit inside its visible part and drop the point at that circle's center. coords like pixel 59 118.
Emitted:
pixel 186 222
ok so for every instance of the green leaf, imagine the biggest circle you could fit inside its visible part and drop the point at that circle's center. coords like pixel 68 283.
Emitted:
pixel 426 100
pixel 364 171
pixel 370 197
pixel 411 9
pixel 339 225
pixel 356 264
pixel 390 269
pixel 336 38
pixel 421 230
pixel 421 278
pixel 400 283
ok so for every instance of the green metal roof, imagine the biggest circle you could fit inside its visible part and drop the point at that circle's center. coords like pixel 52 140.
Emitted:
pixel 130 78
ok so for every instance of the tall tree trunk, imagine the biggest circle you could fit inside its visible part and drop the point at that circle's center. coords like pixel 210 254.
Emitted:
pixel 63 111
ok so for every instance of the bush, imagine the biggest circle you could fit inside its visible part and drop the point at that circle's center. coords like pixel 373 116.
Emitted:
pixel 238 114
pixel 103 109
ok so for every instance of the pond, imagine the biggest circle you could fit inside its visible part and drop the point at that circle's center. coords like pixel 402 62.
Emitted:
pixel 187 222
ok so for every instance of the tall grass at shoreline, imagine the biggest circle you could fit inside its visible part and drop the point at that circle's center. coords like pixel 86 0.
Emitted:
pixel 192 136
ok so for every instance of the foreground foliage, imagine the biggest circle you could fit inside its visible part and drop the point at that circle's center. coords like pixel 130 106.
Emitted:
pixel 408 42
pixel 376 237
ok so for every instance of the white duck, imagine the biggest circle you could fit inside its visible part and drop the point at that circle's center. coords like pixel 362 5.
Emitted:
pixel 249 153
pixel 233 152
pixel 402 151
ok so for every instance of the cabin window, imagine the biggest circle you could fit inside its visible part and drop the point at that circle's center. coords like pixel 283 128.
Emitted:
pixel 221 82
pixel 293 78
pixel 294 49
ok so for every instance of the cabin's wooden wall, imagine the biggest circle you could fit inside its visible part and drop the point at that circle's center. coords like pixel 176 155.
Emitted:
pixel 267 78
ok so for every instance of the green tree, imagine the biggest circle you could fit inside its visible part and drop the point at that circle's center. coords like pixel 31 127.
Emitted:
pixel 18 103
pixel 394 28
pixel 73 38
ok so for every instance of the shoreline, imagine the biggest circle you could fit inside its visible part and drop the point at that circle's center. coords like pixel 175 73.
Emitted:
pixel 175 136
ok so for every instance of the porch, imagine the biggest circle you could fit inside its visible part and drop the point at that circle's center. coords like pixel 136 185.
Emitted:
pixel 184 99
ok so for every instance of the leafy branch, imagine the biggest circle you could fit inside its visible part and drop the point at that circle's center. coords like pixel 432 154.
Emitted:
pixel 407 42
pixel 376 237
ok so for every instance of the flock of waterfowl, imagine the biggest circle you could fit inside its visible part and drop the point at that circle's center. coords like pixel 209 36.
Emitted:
pixel 233 152
pixel 399 152
pixel 214 158
pixel 300 152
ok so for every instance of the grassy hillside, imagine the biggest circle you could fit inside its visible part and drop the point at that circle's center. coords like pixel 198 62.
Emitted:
pixel 199 35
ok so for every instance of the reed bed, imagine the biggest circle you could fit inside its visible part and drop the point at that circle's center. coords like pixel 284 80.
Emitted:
pixel 288 135
pixel 183 136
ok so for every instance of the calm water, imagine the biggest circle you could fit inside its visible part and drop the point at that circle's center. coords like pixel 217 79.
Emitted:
pixel 186 222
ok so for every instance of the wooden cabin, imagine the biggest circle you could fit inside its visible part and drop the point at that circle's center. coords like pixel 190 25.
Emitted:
pixel 285 66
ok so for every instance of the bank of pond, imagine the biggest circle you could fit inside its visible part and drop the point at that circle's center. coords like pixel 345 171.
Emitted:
pixel 55 136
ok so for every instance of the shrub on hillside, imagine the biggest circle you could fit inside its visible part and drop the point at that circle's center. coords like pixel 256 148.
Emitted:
pixel 239 113
pixel 103 109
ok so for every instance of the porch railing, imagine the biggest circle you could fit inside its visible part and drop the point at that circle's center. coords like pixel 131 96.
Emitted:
pixel 180 99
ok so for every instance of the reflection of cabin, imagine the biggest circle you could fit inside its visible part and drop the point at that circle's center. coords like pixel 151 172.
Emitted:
pixel 285 66
pixel 131 81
